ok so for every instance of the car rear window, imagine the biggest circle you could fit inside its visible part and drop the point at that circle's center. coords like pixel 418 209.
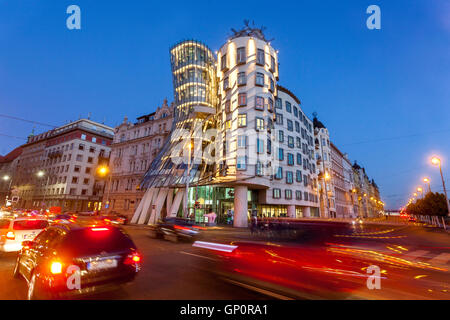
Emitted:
pixel 30 224
pixel 4 224
pixel 94 241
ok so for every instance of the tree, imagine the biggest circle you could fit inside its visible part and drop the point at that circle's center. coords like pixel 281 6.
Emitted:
pixel 432 205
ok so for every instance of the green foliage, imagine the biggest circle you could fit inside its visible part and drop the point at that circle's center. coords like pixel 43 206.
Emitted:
pixel 432 205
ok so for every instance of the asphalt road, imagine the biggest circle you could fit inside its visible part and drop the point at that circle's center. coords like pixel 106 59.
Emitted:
pixel 177 270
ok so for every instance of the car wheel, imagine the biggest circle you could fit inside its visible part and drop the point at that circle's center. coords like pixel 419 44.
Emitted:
pixel 16 273
pixel 32 290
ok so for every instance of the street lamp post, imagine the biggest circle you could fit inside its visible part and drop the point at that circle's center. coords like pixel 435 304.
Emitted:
pixel 421 191
pixel 103 171
pixel 426 180
pixel 437 161
pixel 6 178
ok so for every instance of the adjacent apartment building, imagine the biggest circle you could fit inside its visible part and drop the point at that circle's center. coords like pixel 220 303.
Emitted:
pixel 134 147
pixel 59 167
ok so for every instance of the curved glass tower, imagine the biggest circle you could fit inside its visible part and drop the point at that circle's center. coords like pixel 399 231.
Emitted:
pixel 195 97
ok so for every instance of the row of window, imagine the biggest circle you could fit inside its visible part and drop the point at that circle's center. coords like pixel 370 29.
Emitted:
pixel 297 113
pixel 299 195
pixel 242 81
pixel 241 58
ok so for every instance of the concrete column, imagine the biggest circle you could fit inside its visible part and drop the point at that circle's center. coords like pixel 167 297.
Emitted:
pixel 306 212
pixel 240 207
pixel 291 211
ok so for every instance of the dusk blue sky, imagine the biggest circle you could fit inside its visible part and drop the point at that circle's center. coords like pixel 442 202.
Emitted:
pixel 383 94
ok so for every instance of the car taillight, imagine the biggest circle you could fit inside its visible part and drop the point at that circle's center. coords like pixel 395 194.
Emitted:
pixel 56 267
pixel 133 258
pixel 99 229
pixel 180 227
pixel 10 235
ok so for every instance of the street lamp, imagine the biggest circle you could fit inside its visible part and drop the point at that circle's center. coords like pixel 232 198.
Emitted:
pixel 420 190
pixel 6 178
pixel 426 180
pixel 40 174
pixel 437 162
pixel 103 171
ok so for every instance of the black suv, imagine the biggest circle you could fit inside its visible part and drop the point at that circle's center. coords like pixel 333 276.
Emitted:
pixel 70 260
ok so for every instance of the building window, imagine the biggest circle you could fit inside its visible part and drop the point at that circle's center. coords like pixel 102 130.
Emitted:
pixel 305 195
pixel 269 146
pixel 260 57
pixel 90 159
pixel 241 163
pixel 289 177
pixel 227 106
pixel 83 192
pixel 298 142
pixel 290 142
pixel 240 55
pixel 83 137
pixel 295 111
pixel 242 120
pixel 290 125
pixel 299 159
pixel 290 159
pixel 74 180
pixel 242 79
pixel 298 176
pixel 272 63
pixel 259 124
pixel 94 139
pixel 242 141
pixel 259 145
pixel 259 79
pixel 298 195
pixel 276 193
pixel 259 168
pixel 259 103
pixel 228 124
pixel 88 170
pixel 81 146
pixel 272 85
pixel 280 135
pixel 79 157
pixel 224 62
pixel 242 99
pixel 279 119
pixel 280 154
pixel 278 103
pixel 270 105
pixel 279 173
pixel 288 194
pixel 288 106
pixel 226 84
pixel 76 169
pixel 297 126
pixel 86 181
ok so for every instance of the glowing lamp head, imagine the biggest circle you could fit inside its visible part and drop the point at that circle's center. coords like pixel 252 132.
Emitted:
pixel 419 189
pixel 40 173
pixel 6 177
pixel 327 176
pixel 436 161
pixel 56 267
pixel 426 180
pixel 103 170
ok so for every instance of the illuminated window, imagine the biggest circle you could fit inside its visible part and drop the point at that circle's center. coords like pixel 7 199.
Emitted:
pixel 242 120
pixel 290 142
pixel 280 135
pixel 259 124
pixel 228 124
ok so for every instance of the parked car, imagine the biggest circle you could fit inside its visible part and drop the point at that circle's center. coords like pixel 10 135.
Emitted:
pixel 175 229
pixel 105 256
pixel 14 231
